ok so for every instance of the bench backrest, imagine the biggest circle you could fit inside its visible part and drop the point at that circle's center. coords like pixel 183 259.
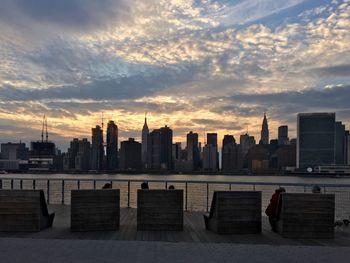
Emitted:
pixel 306 215
pixel 22 210
pixel 160 209
pixel 236 211
pixel 94 210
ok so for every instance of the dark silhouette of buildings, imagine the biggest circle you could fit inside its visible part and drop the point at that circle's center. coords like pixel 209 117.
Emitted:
pixel 14 151
pixel 264 131
pixel 286 156
pixel 159 149
pixel 192 150
pixel 69 157
pixel 130 155
pixel 231 154
pixel 112 146
pixel 210 158
pixel 97 151
pixel 340 142
pixel 258 158
pixel 212 139
pixel 283 135
pixel 14 156
pixel 82 159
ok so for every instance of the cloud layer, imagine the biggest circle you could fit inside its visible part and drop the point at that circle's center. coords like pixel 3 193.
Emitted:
pixel 208 65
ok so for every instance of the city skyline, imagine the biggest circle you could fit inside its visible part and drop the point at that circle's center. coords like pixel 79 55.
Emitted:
pixel 202 137
pixel 205 66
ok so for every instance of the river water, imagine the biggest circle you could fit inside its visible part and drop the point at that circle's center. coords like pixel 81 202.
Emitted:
pixel 199 193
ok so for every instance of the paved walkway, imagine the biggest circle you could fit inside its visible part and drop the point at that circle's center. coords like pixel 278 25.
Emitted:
pixel 194 231
pixel 13 250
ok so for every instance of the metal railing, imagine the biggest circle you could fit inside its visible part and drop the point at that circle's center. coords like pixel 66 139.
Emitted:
pixel 197 194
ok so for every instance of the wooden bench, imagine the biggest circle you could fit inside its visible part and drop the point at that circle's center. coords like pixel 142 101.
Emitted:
pixel 235 212
pixel 95 210
pixel 24 210
pixel 306 215
pixel 160 210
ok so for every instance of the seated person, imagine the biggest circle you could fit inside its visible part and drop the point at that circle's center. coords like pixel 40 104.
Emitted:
pixel 171 187
pixel 316 189
pixel 107 186
pixel 144 186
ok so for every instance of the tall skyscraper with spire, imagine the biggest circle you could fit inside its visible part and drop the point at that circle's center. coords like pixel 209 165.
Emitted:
pixel 264 131
pixel 145 132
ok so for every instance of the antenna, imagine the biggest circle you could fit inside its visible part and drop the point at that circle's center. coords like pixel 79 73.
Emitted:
pixel 42 130
pixel 47 134
pixel 102 121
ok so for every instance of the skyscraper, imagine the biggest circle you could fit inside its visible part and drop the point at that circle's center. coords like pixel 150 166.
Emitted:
pixel 210 157
pixel 144 136
pixel 112 146
pixel 230 154
pixel 340 143
pixel 69 158
pixel 130 155
pixel 264 131
pixel 193 150
pixel 315 139
pixel 283 135
pixel 97 152
pixel 82 160
pixel 159 149
pixel 246 141
pixel 212 139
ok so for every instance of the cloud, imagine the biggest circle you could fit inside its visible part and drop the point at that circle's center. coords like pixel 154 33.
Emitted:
pixel 333 71
pixel 68 14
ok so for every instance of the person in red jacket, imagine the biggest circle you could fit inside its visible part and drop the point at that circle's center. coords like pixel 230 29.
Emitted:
pixel 272 209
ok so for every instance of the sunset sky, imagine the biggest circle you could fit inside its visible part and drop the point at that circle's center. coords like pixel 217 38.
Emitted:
pixel 201 65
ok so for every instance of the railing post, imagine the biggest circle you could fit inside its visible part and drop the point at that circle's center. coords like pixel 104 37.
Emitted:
pixel 166 184
pixel 230 187
pixel 304 189
pixel 128 194
pixel 78 184
pixel 48 191
pixel 0 183
pixel 94 184
pixel 111 182
pixel 21 184
pixel 207 197
pixel 186 197
pixel 62 193
pixel 253 187
pixel 11 184
pixel 34 184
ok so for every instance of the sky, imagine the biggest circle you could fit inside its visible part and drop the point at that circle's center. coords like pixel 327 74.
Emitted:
pixel 201 65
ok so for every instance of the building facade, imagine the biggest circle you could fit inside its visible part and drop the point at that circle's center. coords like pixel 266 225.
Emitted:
pixel 130 155
pixel 97 151
pixel 112 146
pixel 283 135
pixel 264 131
pixel 315 139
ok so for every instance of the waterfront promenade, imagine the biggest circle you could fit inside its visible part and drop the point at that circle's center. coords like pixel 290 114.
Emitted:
pixel 193 244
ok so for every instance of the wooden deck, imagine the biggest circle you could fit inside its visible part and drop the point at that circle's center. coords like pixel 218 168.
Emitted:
pixel 194 231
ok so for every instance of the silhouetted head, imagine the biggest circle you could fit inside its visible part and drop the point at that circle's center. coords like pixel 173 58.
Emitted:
pixel 144 186
pixel 171 187
pixel 280 190
pixel 316 189
pixel 107 186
